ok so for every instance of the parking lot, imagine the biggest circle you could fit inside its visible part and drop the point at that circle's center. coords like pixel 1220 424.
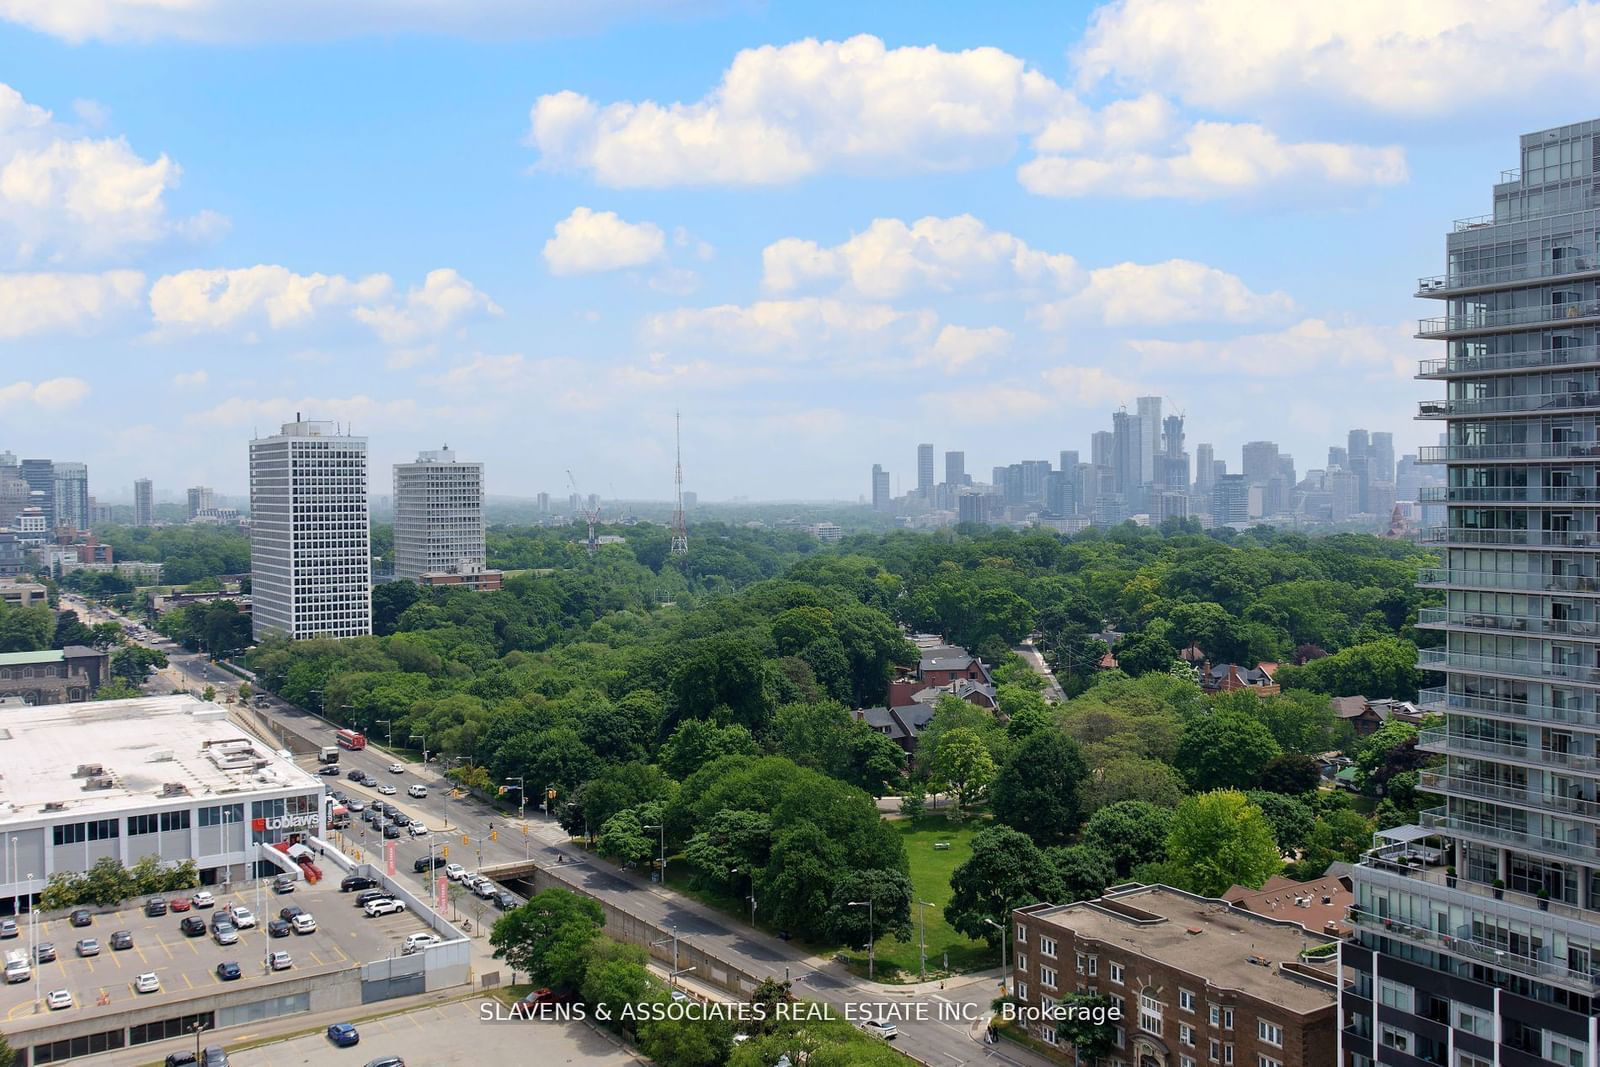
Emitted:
pixel 445 1034
pixel 344 937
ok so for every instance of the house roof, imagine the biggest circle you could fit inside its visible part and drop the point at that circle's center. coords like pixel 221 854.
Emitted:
pixel 25 659
pixel 1319 904
pixel 1349 707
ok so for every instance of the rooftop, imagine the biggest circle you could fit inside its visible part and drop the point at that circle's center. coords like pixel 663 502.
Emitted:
pixel 1222 946
pixel 100 757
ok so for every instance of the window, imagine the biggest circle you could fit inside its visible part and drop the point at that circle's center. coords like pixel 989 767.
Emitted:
pixel 1186 1061
pixel 1216 1014
pixel 1216 1051
pixel 1047 977
pixel 1022 934
pixel 1083 961
pixel 1022 991
pixel 1267 1061
pixel 1396 995
pixel 1474 1021
pixel 1399 1040
pixel 1269 1033
pixel 1094 966
pixel 1467 1059
pixel 1227 1052
pixel 1022 961
pixel 71 833
pixel 1185 1000
pixel 1116 973
pixel 1047 947
pixel 1563 1050
pixel 1227 1018
pixel 1186 1034
pixel 1150 1014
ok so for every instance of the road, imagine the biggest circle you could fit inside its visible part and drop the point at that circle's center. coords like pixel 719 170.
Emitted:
pixel 939 1035
pixel 1053 692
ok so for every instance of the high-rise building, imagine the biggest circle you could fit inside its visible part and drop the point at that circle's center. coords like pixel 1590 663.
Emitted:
pixel 1495 957
pixel 880 487
pixel 1069 460
pixel 1172 465
pixel 925 472
pixel 542 502
pixel 1260 461
pixel 1286 469
pixel 310 554
pixel 1203 474
pixel 71 493
pixel 1338 457
pixel 1034 472
pixel 1149 408
pixel 955 468
pixel 40 474
pixel 144 503
pixel 14 492
pixel 202 501
pixel 1103 448
pixel 1230 499
pixel 1359 451
pixel 1382 457
pixel 1132 464
pixel 438 516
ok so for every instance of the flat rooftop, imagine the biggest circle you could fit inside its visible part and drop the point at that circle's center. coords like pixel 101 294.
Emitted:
pixel 99 757
pixel 1203 937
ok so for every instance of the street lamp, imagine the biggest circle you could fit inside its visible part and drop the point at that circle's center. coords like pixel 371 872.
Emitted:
pixel 424 739
pixel 1005 972
pixel 198 1028
pixel 390 725
pixel 922 937
pixel 663 828
pixel 752 897
pixel 871 943
pixel 522 795
pixel 674 940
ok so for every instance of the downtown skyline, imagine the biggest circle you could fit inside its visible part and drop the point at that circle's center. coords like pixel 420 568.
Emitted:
pixel 431 236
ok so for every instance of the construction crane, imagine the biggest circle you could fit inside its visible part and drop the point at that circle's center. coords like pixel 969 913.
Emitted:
pixel 589 508
pixel 680 525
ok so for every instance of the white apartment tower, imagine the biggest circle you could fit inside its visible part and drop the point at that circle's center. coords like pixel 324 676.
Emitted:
pixel 438 516
pixel 310 557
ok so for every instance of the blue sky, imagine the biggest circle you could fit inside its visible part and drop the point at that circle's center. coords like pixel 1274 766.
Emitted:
pixel 825 232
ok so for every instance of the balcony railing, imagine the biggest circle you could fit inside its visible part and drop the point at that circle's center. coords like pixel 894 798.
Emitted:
pixel 1501 793
pixel 1439 739
pixel 1460 407
pixel 1447 535
pixel 1440 284
pixel 1504 361
pixel 1440 819
pixel 1478 951
pixel 1441 701
pixel 1508 319
pixel 1516 450
pixel 1525 581
pixel 1396 867
pixel 1440 618
pixel 1509 494
pixel 1438 659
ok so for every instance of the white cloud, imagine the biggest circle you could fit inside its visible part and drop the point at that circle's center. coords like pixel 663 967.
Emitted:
pixel 190 379
pixel 276 297
pixel 805 330
pixel 41 303
pixel 960 347
pixel 226 20
pixel 1056 389
pixel 890 259
pixel 65 197
pixel 1154 294
pixel 1309 347
pixel 588 241
pixel 1209 159
pixel 53 394
pixel 1420 57
pixel 785 112
pixel 240 413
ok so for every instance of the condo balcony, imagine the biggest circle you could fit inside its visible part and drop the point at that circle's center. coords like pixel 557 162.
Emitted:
pixel 1460 283
pixel 1441 740
pixel 1438 659
pixel 1509 494
pixel 1512 451
pixel 1452 535
pixel 1513 581
pixel 1567 401
pixel 1441 820
pixel 1470 788
pixel 1446 619
pixel 1501 362
pixel 1439 700
pixel 1508 320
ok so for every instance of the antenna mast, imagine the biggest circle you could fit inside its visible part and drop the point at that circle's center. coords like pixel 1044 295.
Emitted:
pixel 591 514
pixel 680 525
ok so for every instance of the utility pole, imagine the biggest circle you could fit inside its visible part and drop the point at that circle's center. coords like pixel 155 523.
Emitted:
pixel 922 938
pixel 872 944
pixel 1005 972
pixel 680 523
pixel 663 828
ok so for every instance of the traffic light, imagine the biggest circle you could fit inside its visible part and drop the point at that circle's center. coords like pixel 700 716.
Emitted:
pixel 465 840
pixel 447 852
pixel 494 835
pixel 550 794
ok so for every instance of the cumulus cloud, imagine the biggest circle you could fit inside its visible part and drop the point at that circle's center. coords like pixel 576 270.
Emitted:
pixel 190 379
pixel 1153 294
pixel 805 330
pixel 1419 58
pixel 77 303
pixel 1307 347
pixel 277 298
pixel 960 347
pixel 52 394
pixel 785 112
pixel 1018 399
pixel 65 197
pixel 588 241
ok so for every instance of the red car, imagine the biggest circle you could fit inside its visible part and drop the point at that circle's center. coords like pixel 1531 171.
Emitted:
pixel 178 903
pixel 540 1001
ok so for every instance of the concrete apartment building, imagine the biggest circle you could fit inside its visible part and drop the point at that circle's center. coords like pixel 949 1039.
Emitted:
pixel 1479 930
pixel 1199 983
pixel 310 549
pixel 144 503
pixel 438 517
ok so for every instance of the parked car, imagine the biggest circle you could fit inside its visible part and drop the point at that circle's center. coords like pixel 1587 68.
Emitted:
pixel 304 924
pixel 147 982
pixel 281 961
pixel 387 1061
pixel 454 871
pixel 504 900
pixel 879 1028
pixel 193 926
pixel 284 883
pixel 355 882
pixel 229 971
pixel 88 946
pixel 121 940
pixel 418 942
pixel 18 970
pixel 243 917
pixel 44 952
pixel 384 907
pixel 81 917
pixel 396 768
pixel 8 928
pixel 288 914
pixel 180 904
pixel 279 928
pixel 214 1056
pixel 58 999
pixel 181 1058
pixel 155 907
pixel 344 1035
pixel 225 934
pixel 363 899
pixel 417 790
pixel 203 899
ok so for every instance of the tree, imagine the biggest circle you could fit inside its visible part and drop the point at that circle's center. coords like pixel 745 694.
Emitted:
pixel 625 837
pixel 548 937
pixel 1220 840
pixel 687 1042
pixel 793 887
pixel 1291 774
pixel 27 629
pixel 1134 778
pixel 734 840
pixel 962 761
pixel 1291 820
pixel 1004 871
pixel 1143 654
pixel 1386 667
pixel 1083 872
pixel 1389 751
pixel 135 663
pixel 1129 833
pixel 70 630
pixel 613 975
pixel 1040 790
pixel 890 894
pixel 1084 1025
pixel 697 742
pixel 1227 749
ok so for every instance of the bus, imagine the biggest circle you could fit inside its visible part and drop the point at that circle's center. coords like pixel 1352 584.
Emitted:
pixel 351 739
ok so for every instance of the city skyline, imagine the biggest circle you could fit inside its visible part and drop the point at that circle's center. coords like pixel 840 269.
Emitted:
pixel 508 236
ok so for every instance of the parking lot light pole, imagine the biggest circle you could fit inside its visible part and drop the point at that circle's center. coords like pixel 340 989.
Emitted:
pixel 198 1028
pixel 33 940
pixel 871 942
pixel 663 828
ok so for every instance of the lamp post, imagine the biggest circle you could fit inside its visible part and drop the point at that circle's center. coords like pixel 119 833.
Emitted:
pixel 872 955
pixel 752 897
pixel 424 739
pixel 198 1028
pixel 1005 972
pixel 922 937
pixel 390 725
pixel 663 828
pixel 522 795
pixel 33 942
pixel 674 940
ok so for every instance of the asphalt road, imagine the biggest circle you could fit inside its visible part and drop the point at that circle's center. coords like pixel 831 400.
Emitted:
pixel 932 1022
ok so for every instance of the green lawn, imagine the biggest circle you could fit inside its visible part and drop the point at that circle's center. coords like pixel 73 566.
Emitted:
pixel 930 879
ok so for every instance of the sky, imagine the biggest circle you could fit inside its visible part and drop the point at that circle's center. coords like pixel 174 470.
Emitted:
pixel 533 230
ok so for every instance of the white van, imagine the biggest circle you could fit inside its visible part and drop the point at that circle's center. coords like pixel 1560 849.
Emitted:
pixel 17 967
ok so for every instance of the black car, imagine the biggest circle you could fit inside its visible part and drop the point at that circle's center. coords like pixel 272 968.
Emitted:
pixel 193 926
pixel 214 1056
pixel 228 971
pixel 288 914
pixel 122 939
pixel 279 928
pixel 422 864
pixel 363 899
pixel 504 901
pixel 356 774
pixel 155 906
pixel 222 918
pixel 81 917
pixel 44 952
pixel 358 881
pixel 339 795
pixel 400 819
pixel 390 831
pixel 329 770
pixel 181 1059
pixel 372 818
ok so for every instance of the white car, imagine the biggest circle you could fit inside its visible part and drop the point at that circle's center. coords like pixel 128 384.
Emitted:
pixel 469 878
pixel 243 917
pixel 485 888
pixel 879 1028
pixel 281 961
pixel 305 924
pixel 203 899
pixel 387 790
pixel 416 829
pixel 147 982
pixel 417 790
pixel 418 942
pixel 58 999
pixel 454 871
pixel 396 768
pixel 376 908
